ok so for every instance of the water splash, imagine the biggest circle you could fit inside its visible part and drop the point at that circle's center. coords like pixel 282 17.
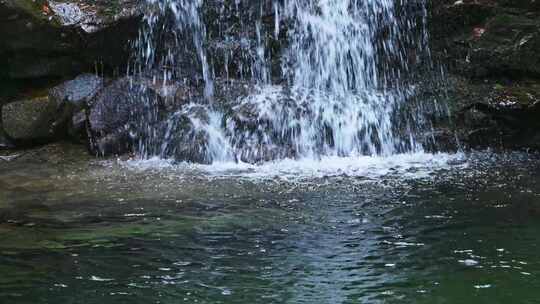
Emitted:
pixel 346 85
pixel 403 166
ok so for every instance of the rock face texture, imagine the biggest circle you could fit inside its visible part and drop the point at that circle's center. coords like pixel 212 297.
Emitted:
pixel 51 114
pixel 488 38
pixel 51 50
pixel 48 39
pixel 491 51
pixel 44 42
pixel 30 119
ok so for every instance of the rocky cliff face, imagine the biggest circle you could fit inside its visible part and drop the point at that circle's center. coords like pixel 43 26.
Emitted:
pixel 491 51
pixel 58 38
pixel 489 48
pixel 45 42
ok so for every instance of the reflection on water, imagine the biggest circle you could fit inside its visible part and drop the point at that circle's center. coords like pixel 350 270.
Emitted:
pixel 85 231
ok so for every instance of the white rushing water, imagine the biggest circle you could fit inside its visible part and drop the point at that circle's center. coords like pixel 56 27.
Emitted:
pixel 402 166
pixel 345 89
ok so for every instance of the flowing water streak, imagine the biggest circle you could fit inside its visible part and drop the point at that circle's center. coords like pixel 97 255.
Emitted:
pixel 347 66
pixel 161 39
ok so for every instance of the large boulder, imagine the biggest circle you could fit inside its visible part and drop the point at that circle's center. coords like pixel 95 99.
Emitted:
pixel 78 91
pixel 29 119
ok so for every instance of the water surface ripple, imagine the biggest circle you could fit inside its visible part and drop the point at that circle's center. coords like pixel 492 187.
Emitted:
pixel 460 229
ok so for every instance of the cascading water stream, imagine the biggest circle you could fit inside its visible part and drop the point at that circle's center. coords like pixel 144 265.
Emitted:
pixel 345 87
pixel 161 38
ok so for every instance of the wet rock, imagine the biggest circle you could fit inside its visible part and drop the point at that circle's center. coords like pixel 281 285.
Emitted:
pixel 72 97
pixel 251 119
pixel 9 158
pixel 508 44
pixel 78 91
pixel 487 38
pixel 30 119
pixel 185 136
pixel 489 114
pixel 490 49
pixel 120 114
pixel 172 120
pixel 5 141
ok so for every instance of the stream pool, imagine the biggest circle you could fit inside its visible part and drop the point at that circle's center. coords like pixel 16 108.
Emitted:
pixel 408 229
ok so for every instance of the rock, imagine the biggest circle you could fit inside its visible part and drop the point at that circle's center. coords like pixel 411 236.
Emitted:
pixel 496 114
pixel 140 114
pixel 30 119
pixel 490 49
pixel 72 97
pixel 509 45
pixel 88 15
pixel 78 91
pixel 67 13
pixel 42 38
pixel 5 141
pixel 487 38
pixel 33 120
pixel 9 158
pixel 184 136
pixel 121 113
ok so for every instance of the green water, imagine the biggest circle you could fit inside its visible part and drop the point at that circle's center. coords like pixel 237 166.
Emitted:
pixel 84 231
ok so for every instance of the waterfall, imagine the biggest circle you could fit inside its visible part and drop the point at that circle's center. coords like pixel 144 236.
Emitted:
pixel 161 38
pixel 323 78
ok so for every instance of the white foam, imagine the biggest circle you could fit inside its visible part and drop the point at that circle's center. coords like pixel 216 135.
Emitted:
pixel 410 166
